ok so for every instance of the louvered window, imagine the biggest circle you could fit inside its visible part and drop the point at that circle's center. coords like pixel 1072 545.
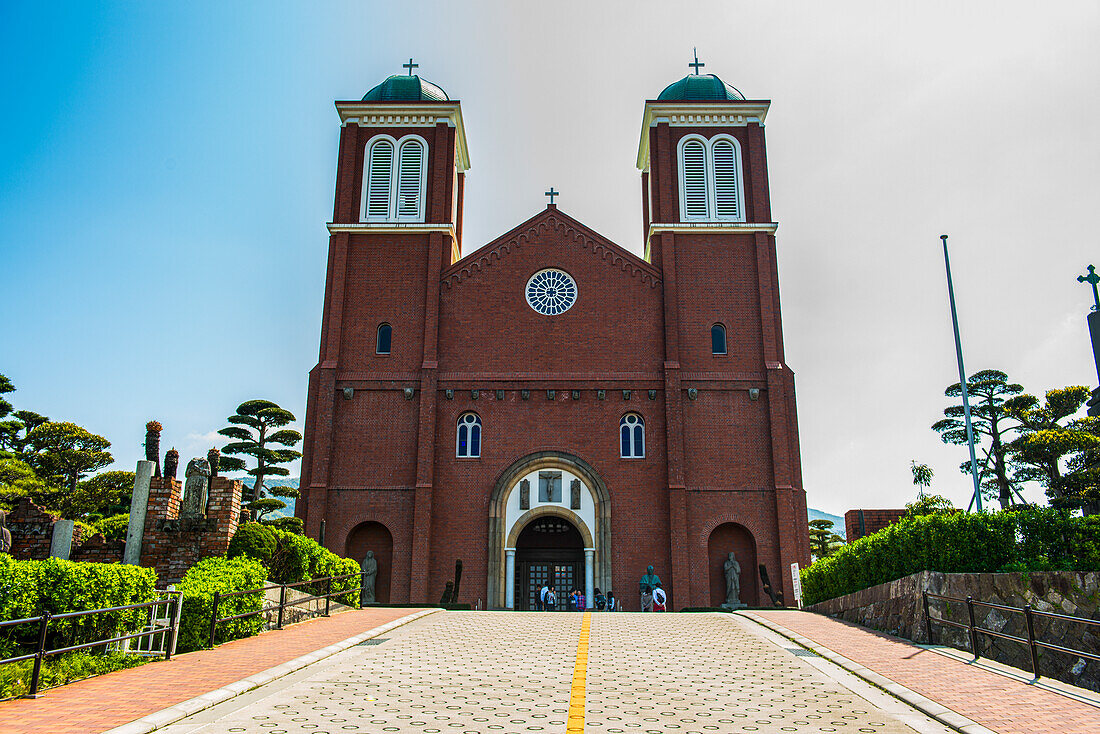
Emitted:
pixel 695 180
pixel 726 190
pixel 379 181
pixel 409 180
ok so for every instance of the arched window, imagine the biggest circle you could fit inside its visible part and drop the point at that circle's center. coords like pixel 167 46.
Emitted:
pixel 394 179
pixel 378 179
pixel 710 179
pixel 469 436
pixel 632 436
pixel 717 339
pixel 382 343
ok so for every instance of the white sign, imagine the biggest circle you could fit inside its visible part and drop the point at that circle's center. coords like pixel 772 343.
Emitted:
pixel 797 581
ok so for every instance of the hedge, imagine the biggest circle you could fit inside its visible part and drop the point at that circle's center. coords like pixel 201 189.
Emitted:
pixel 30 588
pixel 1029 539
pixel 222 575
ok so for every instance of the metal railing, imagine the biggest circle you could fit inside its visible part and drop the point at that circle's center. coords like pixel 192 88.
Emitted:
pixel 171 597
pixel 283 603
pixel 1033 644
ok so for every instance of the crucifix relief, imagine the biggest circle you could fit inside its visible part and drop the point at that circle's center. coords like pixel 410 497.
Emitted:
pixel 549 486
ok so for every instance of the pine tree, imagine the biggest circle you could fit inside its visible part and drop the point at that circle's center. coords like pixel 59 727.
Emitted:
pixel 258 424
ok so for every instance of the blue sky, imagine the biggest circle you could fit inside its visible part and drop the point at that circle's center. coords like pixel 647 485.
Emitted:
pixel 166 171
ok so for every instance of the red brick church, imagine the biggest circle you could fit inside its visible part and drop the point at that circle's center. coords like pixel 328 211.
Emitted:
pixel 549 405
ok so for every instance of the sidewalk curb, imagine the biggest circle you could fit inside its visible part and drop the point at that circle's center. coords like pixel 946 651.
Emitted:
pixel 925 705
pixel 181 710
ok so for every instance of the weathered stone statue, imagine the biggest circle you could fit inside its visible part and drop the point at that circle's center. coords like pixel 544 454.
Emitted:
pixel 733 582
pixel 171 463
pixel 525 495
pixel 370 575
pixel 196 488
pixel 5 534
pixel 575 494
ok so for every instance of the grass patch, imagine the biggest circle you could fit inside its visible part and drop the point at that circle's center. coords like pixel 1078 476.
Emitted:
pixel 15 678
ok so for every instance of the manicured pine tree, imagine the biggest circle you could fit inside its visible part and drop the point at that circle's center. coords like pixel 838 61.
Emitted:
pixel 258 425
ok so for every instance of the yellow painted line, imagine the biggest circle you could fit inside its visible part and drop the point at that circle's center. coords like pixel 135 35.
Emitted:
pixel 580 671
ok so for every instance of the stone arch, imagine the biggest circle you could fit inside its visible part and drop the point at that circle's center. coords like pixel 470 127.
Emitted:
pixel 374 536
pixel 499 536
pixel 544 510
pixel 726 537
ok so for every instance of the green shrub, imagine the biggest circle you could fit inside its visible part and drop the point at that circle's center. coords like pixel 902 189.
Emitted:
pixel 290 524
pixel 222 575
pixel 253 540
pixel 1028 539
pixel 298 558
pixel 15 678
pixel 113 527
pixel 30 588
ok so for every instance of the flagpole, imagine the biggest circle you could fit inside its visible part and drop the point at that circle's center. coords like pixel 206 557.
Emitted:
pixel 977 499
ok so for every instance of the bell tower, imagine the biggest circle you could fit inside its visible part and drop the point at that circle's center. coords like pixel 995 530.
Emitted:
pixel 708 226
pixel 396 224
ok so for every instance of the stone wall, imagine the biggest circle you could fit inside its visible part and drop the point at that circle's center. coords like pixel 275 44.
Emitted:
pixel 872 522
pixel 172 544
pixel 896 607
pixel 32 532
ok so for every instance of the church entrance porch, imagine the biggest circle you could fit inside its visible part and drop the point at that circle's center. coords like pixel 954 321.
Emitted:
pixel 549 551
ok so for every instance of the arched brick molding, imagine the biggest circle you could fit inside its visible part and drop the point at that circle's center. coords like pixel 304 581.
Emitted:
pixel 373 536
pixel 726 537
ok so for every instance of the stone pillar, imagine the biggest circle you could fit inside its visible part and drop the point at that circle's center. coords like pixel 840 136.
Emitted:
pixel 62 541
pixel 509 578
pixel 590 577
pixel 135 530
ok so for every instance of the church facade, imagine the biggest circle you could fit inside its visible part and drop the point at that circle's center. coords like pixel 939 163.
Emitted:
pixel 551 408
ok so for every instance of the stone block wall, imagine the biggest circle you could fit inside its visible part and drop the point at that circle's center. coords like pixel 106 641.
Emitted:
pixel 873 521
pixel 172 544
pixel 97 549
pixel 897 607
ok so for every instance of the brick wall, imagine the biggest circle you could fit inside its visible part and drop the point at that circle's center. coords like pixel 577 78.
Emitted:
pixel 873 521
pixel 172 544
pixel 31 531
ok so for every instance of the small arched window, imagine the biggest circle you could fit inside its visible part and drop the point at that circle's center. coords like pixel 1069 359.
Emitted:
pixel 382 343
pixel 469 436
pixel 378 179
pixel 394 178
pixel 718 339
pixel 632 436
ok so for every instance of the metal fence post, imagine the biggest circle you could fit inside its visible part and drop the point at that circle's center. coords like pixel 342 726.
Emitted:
pixel 40 654
pixel 927 617
pixel 282 604
pixel 174 630
pixel 328 593
pixel 1031 640
pixel 362 587
pixel 214 616
pixel 973 625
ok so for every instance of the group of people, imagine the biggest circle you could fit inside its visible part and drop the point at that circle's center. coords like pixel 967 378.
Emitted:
pixel 576 601
pixel 653 596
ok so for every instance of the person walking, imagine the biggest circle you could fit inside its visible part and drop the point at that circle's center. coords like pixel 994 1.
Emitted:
pixel 659 598
pixel 612 602
pixel 551 600
pixel 582 602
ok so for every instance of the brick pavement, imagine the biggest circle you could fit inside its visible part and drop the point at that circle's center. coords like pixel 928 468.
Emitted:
pixel 995 701
pixel 107 701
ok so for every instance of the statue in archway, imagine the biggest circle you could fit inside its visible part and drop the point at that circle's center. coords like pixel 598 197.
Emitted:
pixel 370 575
pixel 733 582
pixel 648 583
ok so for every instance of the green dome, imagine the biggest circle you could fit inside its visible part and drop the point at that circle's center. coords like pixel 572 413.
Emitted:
pixel 398 88
pixel 701 87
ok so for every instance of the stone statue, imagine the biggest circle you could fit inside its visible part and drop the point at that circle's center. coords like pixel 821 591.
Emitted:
pixel 733 582
pixel 525 495
pixel 370 575
pixel 5 534
pixel 575 494
pixel 152 444
pixel 196 488
pixel 171 463
pixel 650 579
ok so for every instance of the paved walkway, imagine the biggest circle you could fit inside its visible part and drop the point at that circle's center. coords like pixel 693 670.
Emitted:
pixel 995 701
pixel 97 704
pixel 478 672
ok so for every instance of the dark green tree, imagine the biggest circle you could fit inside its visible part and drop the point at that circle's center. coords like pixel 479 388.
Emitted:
pixel 105 494
pixel 18 480
pixel 823 541
pixel 258 426
pixel 922 476
pixel 14 429
pixel 65 453
pixel 994 428
pixel 929 504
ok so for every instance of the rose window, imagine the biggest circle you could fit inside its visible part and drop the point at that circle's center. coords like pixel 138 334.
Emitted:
pixel 551 292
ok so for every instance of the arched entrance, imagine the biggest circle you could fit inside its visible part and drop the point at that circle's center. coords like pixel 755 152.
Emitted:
pixel 549 550
pixel 545 484
pixel 725 538
pixel 373 536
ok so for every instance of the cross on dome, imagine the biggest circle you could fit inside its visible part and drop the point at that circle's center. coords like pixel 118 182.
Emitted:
pixel 697 63
pixel 410 66
pixel 551 193
pixel 1092 279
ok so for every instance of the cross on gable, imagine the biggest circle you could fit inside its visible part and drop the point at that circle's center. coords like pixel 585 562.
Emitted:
pixel 697 63
pixel 410 66
pixel 551 193
pixel 1092 279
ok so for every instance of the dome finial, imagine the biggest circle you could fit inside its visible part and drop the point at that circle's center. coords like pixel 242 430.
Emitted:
pixel 697 63
pixel 410 66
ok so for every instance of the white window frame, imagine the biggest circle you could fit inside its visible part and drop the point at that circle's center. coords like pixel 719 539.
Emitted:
pixel 459 424
pixel 395 179
pixel 631 426
pixel 712 204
